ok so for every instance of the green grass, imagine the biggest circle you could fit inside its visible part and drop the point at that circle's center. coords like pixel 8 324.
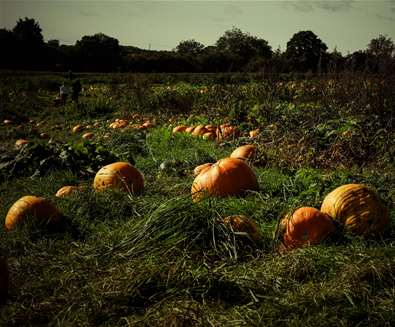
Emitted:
pixel 157 259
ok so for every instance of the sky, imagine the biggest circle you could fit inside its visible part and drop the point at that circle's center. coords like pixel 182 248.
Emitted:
pixel 348 25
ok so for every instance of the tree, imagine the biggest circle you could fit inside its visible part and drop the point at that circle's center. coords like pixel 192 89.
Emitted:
pixel 28 31
pixel 306 51
pixel 98 52
pixel 243 45
pixel 189 47
pixel 382 46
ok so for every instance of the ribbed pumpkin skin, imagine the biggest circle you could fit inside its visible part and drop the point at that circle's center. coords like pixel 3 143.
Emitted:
pixel 241 223
pixel 189 129
pixel 199 169
pixel 229 176
pixel 244 152
pixel 4 280
pixel 67 190
pixel 306 226
pixel 357 207
pixel 30 205
pixel 119 175
pixel 209 136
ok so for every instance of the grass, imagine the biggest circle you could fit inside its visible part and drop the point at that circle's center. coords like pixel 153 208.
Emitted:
pixel 157 259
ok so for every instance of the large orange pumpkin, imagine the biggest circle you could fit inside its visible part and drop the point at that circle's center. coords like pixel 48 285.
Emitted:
pixel 199 169
pixel 119 175
pixel 357 207
pixel 229 176
pixel 4 280
pixel 243 224
pixel 30 205
pixel 305 226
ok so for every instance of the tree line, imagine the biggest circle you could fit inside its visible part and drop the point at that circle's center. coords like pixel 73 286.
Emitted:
pixel 24 47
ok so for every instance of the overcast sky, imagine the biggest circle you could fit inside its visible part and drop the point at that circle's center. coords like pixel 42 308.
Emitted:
pixel 346 24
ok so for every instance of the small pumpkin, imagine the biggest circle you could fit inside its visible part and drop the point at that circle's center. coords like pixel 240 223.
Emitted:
pixel 87 136
pixel 305 226
pixel 67 190
pixel 209 136
pixel 20 143
pixel 226 131
pixel 189 129
pixel 254 133
pixel 30 205
pixel 199 169
pixel 179 129
pixel 199 130
pixel 243 224
pixel 76 129
pixel 211 128
pixel 358 208
pixel 44 135
pixel 4 280
pixel 8 122
pixel 120 175
pixel 229 176
pixel 244 152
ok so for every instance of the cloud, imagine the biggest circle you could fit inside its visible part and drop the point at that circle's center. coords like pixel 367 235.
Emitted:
pixel 308 6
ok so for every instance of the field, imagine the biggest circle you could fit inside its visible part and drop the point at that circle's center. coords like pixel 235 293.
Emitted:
pixel 157 258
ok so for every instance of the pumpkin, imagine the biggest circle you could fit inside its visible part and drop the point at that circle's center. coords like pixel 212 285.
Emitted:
pixel 148 124
pixel 226 131
pixel 358 208
pixel 44 135
pixel 76 129
pixel 254 133
pixel 87 136
pixel 4 280
pixel 199 130
pixel 119 175
pixel 119 123
pixel 305 226
pixel 30 205
pixel 67 190
pixel 211 128
pixel 229 176
pixel 199 169
pixel 243 224
pixel 244 152
pixel 20 143
pixel 209 136
pixel 189 129
pixel 7 122
pixel 179 129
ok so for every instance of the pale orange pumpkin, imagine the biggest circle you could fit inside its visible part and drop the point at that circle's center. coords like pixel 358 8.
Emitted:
pixel 179 129
pixel 189 129
pixel 209 136
pixel 20 143
pixel 229 176
pixel 243 224
pixel 244 152
pixel 87 136
pixel 4 280
pixel 77 128
pixel 8 122
pixel 226 131
pixel 30 205
pixel 119 175
pixel 67 190
pixel 305 226
pixel 358 208
pixel 254 133
pixel 199 130
pixel 199 169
